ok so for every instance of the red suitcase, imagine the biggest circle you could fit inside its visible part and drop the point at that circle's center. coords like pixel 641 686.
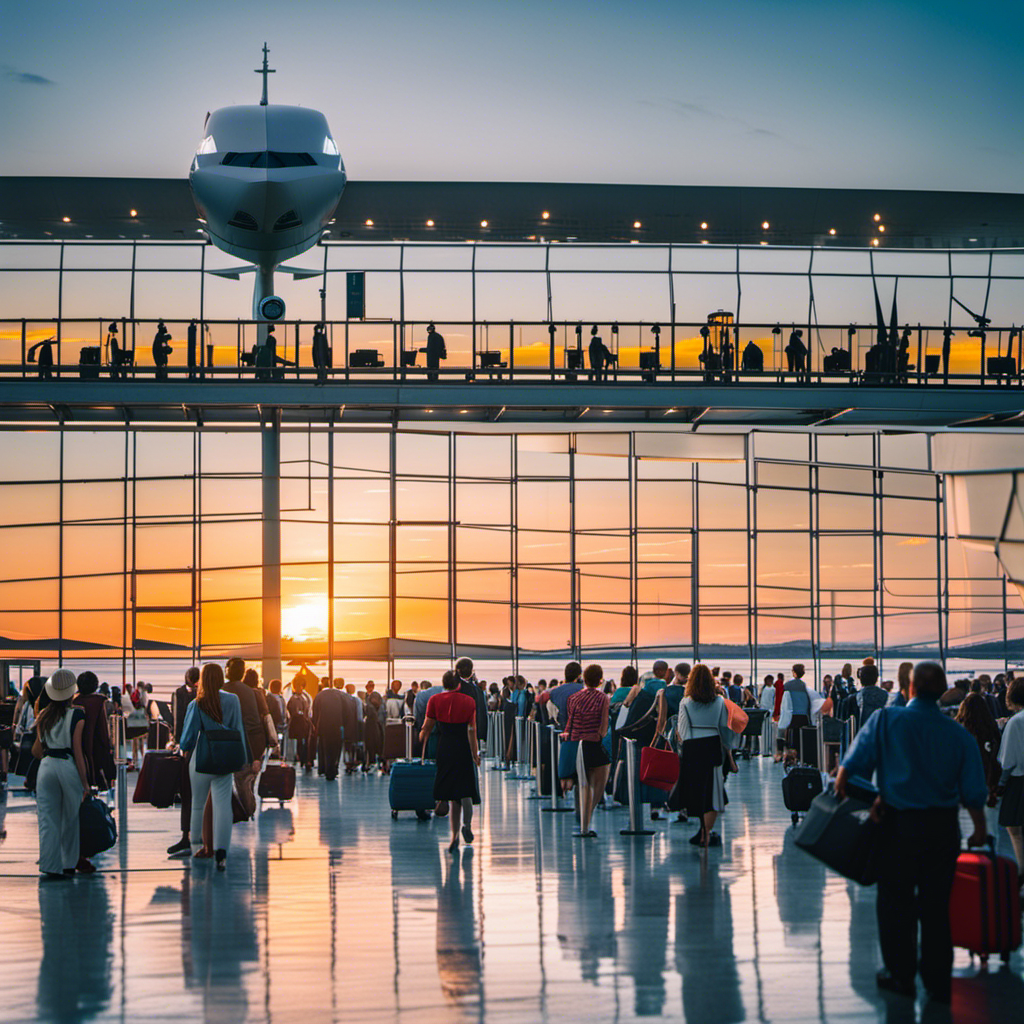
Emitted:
pixel 984 907
pixel 159 781
pixel 277 782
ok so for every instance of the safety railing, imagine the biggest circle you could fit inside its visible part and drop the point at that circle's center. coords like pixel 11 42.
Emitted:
pixel 718 352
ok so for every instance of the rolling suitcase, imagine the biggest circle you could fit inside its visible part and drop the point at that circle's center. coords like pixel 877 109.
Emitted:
pixel 984 907
pixel 394 740
pixel 159 735
pixel 412 782
pixel 807 745
pixel 800 786
pixel 159 779
pixel 277 782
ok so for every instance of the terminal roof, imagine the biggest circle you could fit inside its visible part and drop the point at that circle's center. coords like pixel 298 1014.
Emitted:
pixel 424 211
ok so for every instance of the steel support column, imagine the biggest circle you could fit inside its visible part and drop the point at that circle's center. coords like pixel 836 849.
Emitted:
pixel 271 449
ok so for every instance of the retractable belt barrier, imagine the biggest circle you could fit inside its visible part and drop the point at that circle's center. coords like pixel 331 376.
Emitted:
pixel 557 807
pixel 633 785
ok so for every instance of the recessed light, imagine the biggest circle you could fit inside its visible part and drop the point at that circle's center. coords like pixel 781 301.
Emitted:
pixel 428 410
pixel 874 241
pixel 545 215
pixel 462 412
pixel 881 227
pixel 368 222
pixel 703 225
pixel 703 241
pixel 483 224
pixel 765 225
pixel 878 217
pixel 637 225
pixel 831 231
pixel 133 213
pixel 430 223
pixel 67 220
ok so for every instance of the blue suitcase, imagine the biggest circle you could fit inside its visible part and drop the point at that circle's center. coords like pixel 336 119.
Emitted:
pixel 412 788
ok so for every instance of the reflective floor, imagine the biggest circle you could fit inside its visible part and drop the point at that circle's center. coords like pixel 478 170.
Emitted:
pixel 331 911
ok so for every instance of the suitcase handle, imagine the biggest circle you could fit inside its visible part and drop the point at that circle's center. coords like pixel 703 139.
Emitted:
pixel 989 847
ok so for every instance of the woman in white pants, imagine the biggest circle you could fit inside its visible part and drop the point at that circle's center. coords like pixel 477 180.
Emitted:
pixel 212 709
pixel 62 783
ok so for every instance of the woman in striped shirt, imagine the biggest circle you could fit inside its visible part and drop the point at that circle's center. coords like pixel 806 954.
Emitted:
pixel 587 722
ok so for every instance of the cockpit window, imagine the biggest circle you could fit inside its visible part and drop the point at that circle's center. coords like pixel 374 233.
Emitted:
pixel 268 159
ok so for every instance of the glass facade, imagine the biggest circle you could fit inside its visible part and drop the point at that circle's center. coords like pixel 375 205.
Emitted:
pixel 147 543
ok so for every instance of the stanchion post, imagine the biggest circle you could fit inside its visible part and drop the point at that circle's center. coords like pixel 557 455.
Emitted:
pixel 556 807
pixel 633 782
pixel 522 765
pixel 501 766
pixel 536 760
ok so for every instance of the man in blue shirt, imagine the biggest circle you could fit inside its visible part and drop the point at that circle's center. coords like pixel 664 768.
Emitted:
pixel 926 765
pixel 560 694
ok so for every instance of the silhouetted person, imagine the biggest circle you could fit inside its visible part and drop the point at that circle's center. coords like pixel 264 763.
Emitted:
pixel 598 355
pixel 753 357
pixel 44 358
pixel 115 353
pixel 435 350
pixel 709 358
pixel 321 351
pixel 329 720
pixel 947 335
pixel 161 350
pixel 903 356
pixel 796 352
pixel 728 352
pixel 193 332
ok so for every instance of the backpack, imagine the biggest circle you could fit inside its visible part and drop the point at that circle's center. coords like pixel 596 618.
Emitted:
pixel 394 708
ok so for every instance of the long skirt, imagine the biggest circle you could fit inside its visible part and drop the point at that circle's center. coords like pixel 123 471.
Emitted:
pixel 456 772
pixel 701 785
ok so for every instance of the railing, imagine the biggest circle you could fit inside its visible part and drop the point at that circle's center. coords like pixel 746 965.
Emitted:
pixel 719 354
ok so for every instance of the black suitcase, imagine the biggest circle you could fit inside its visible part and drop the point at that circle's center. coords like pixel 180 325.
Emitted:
pixel 159 735
pixel 159 781
pixel 277 782
pixel 807 746
pixel 842 836
pixel 800 786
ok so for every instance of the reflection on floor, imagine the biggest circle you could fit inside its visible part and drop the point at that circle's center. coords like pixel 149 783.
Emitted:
pixel 332 911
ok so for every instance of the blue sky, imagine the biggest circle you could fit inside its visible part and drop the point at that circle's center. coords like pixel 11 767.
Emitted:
pixel 788 92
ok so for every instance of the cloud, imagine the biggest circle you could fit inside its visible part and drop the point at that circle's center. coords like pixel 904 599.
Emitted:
pixel 689 111
pixel 26 77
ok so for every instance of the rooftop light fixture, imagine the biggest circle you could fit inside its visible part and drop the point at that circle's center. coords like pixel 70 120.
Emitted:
pixel 133 213
pixel 368 222
pixel 545 215
pixel 637 225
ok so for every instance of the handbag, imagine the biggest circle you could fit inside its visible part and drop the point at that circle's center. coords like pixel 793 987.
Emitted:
pixel 842 836
pixel 219 751
pixel 97 830
pixel 659 768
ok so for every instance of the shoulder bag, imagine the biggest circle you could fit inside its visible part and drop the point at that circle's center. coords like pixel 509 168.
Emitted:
pixel 219 751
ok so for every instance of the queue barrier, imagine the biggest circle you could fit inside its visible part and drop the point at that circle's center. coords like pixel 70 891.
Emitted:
pixel 633 788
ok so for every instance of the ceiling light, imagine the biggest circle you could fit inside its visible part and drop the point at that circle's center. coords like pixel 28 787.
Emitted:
pixel 703 241
pixel 765 225
pixel 874 241
pixel 703 225
pixel 483 224
pixel 637 225
pixel 462 412
pixel 831 231
pixel 763 242
pixel 368 222
pixel 881 227
pixel 430 223
pixel 67 220
pixel 133 213
pixel 878 217
pixel 428 410
pixel 545 215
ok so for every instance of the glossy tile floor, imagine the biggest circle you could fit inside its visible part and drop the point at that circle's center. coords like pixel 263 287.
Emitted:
pixel 331 911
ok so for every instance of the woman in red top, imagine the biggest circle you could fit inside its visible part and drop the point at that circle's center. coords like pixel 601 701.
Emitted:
pixel 587 721
pixel 458 753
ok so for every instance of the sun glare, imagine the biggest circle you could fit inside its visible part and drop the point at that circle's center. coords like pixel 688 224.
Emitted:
pixel 306 621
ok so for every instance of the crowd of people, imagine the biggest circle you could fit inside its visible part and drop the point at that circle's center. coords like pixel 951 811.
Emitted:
pixel 947 746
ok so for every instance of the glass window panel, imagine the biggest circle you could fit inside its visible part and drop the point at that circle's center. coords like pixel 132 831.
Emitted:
pixel 30 552
pixel 544 629
pixel 422 544
pixel 849 481
pixel 166 547
pixel 163 629
pixel 542 506
pixel 855 449
pixel 843 512
pixel 905 451
pixel 421 500
pixel 542 548
pixel 230 544
pixel 482 546
pixel 846 565
pixel 19 626
pixel 32 596
pixel 422 454
pixel 422 619
pixel 776 474
pixel 154 590
pixel 903 515
pixel 483 503
pixel 360 619
pixel 29 503
pixel 723 559
pixel 231 623
pixel 482 623
pixel 602 506
pixel 664 503
pixel 422 581
pixel 781 510
pixel 361 543
pixel 477 455
pixel 769 444
pixel 603 628
pixel 609 551
pixel 664 547
pixel 909 485
pixel 93 500
pixel 352 580
pixel 662 630
pixel 163 499
pixel 230 584
pixel 36 456
pixel 238 496
pixel 106 628
pixel 303 542
pixel 484 585
pixel 361 501
pixel 722 506
pixel 232 452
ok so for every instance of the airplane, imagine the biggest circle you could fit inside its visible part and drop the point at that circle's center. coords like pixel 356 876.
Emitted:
pixel 266 180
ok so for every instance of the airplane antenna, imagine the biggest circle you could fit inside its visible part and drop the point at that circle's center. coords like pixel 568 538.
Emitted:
pixel 264 71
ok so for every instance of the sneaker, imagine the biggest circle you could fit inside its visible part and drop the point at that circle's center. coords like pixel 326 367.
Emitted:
pixel 180 847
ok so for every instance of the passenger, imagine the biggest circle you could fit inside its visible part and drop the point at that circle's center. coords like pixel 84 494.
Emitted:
pixel 727 353
pixel 955 695
pixel 468 685
pixel 453 714
pixel 587 723
pixel 733 686
pixel 435 351
pixel 252 680
pixel 328 721
pixel 903 680
pixel 180 700
pixel 753 358
pixel 926 767
pixel 300 725
pixel 976 718
pixel 705 746
pixel 870 697
pixel 255 734
pixel 373 728
pixel 560 694
pixel 321 352
pixel 670 696
pixel 191 350
pixel 795 711
pixel 627 680
pixel 161 350
pixel 214 707
pixel 352 730
pixel 96 748
pixel 44 359
pixel 1011 783
pixel 62 784
pixel 598 355
pixel 658 677
pixel 418 709
pixel 796 353
pixel 277 708
pixel 115 353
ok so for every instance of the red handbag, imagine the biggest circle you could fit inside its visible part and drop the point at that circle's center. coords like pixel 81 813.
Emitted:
pixel 659 768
